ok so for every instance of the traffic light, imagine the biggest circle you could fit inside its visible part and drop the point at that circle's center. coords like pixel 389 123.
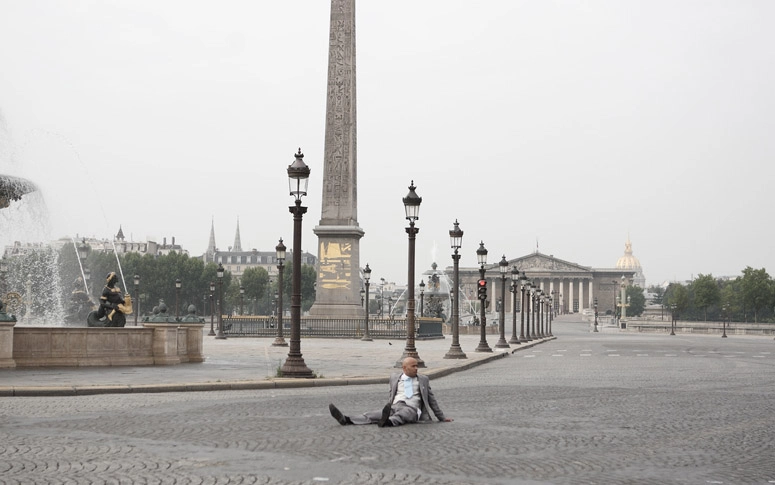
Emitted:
pixel 482 289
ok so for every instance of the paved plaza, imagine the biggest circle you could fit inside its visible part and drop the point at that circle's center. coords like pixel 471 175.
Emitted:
pixel 585 408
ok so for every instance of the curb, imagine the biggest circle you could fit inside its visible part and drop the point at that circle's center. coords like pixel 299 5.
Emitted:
pixel 276 383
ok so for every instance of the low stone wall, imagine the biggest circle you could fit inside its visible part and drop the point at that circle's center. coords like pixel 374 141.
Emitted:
pixel 734 328
pixel 152 344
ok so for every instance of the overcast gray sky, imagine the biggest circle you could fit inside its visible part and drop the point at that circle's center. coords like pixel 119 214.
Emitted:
pixel 568 124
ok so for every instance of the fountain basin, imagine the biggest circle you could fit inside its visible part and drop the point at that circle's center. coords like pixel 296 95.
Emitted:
pixel 151 344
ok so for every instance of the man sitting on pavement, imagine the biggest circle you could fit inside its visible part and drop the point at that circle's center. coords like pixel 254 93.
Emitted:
pixel 410 397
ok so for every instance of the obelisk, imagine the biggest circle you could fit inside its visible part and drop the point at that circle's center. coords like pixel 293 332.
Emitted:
pixel 338 281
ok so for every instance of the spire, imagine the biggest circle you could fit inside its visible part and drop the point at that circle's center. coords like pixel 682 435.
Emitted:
pixel 237 243
pixel 120 234
pixel 211 245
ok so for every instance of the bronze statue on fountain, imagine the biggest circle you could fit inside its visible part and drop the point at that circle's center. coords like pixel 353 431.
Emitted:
pixel 113 306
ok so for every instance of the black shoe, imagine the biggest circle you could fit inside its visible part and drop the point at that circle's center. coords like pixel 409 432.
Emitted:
pixel 337 414
pixel 384 420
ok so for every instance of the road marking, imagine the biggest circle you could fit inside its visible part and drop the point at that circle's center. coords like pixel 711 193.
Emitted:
pixel 529 356
pixel 557 355
pixel 585 355
pixel 614 355
pixel 759 356
pixel 671 355
pixel 641 355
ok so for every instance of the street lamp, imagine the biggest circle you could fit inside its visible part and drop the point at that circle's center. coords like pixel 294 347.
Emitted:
pixel 673 318
pixel 219 272
pixel 366 278
pixel 422 297
pixel 724 323
pixel 137 297
pixel 382 298
pixel 241 298
pixel 212 312
pixel 616 290
pixel 481 258
pixel 412 209
pixel 514 289
pixel 178 285
pixel 523 283
pixel 596 314
pixel 503 267
pixel 279 340
pixel 455 242
pixel 298 178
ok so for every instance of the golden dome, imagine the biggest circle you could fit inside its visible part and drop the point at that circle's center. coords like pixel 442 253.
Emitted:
pixel 628 261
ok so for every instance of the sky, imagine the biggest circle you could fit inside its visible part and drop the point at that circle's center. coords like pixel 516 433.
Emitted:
pixel 562 126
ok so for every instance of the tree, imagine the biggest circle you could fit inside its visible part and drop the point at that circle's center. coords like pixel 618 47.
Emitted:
pixel 677 297
pixel 757 290
pixel 706 293
pixel 256 282
pixel 636 300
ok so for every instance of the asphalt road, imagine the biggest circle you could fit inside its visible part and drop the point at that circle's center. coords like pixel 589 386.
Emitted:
pixel 586 408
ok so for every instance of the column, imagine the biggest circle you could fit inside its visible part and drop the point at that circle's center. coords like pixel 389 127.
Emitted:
pixel 570 295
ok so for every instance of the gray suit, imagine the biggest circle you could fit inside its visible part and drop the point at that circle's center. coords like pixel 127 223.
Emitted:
pixel 400 413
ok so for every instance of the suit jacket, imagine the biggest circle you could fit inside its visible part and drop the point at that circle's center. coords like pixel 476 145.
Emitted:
pixel 428 399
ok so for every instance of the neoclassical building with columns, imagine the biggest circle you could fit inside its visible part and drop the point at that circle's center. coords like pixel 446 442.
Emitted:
pixel 574 286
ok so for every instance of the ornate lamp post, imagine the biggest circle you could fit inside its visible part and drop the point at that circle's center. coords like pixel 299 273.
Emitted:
pixel 534 307
pixel 455 242
pixel 178 285
pixel 514 289
pixel 540 309
pixel 523 282
pixel 366 278
pixel 298 178
pixel 137 297
pixel 481 258
pixel 219 272
pixel 279 340
pixel 241 299
pixel 412 208
pixel 616 290
pixel 724 323
pixel 550 311
pixel 212 308
pixel 422 297
pixel 382 298
pixel 673 318
pixel 503 267
pixel 596 314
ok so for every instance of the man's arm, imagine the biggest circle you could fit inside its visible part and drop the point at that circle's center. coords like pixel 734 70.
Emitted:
pixel 434 405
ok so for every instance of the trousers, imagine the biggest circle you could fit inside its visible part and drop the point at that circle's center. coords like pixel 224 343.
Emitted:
pixel 400 413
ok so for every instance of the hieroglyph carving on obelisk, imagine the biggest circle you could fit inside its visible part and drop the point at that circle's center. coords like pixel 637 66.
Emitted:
pixel 338 280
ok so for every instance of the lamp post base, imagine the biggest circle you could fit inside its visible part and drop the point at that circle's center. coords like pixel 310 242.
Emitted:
pixel 514 340
pixel 279 342
pixel 296 368
pixel 366 338
pixel 455 352
pixel 413 354
pixel 502 344
pixel 483 347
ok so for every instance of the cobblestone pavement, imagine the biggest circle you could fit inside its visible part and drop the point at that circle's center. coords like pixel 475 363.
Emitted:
pixel 586 408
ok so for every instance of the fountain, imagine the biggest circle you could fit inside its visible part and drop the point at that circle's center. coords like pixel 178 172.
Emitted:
pixel 13 188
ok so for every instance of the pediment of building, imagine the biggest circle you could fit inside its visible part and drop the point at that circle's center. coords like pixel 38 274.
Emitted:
pixel 547 263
